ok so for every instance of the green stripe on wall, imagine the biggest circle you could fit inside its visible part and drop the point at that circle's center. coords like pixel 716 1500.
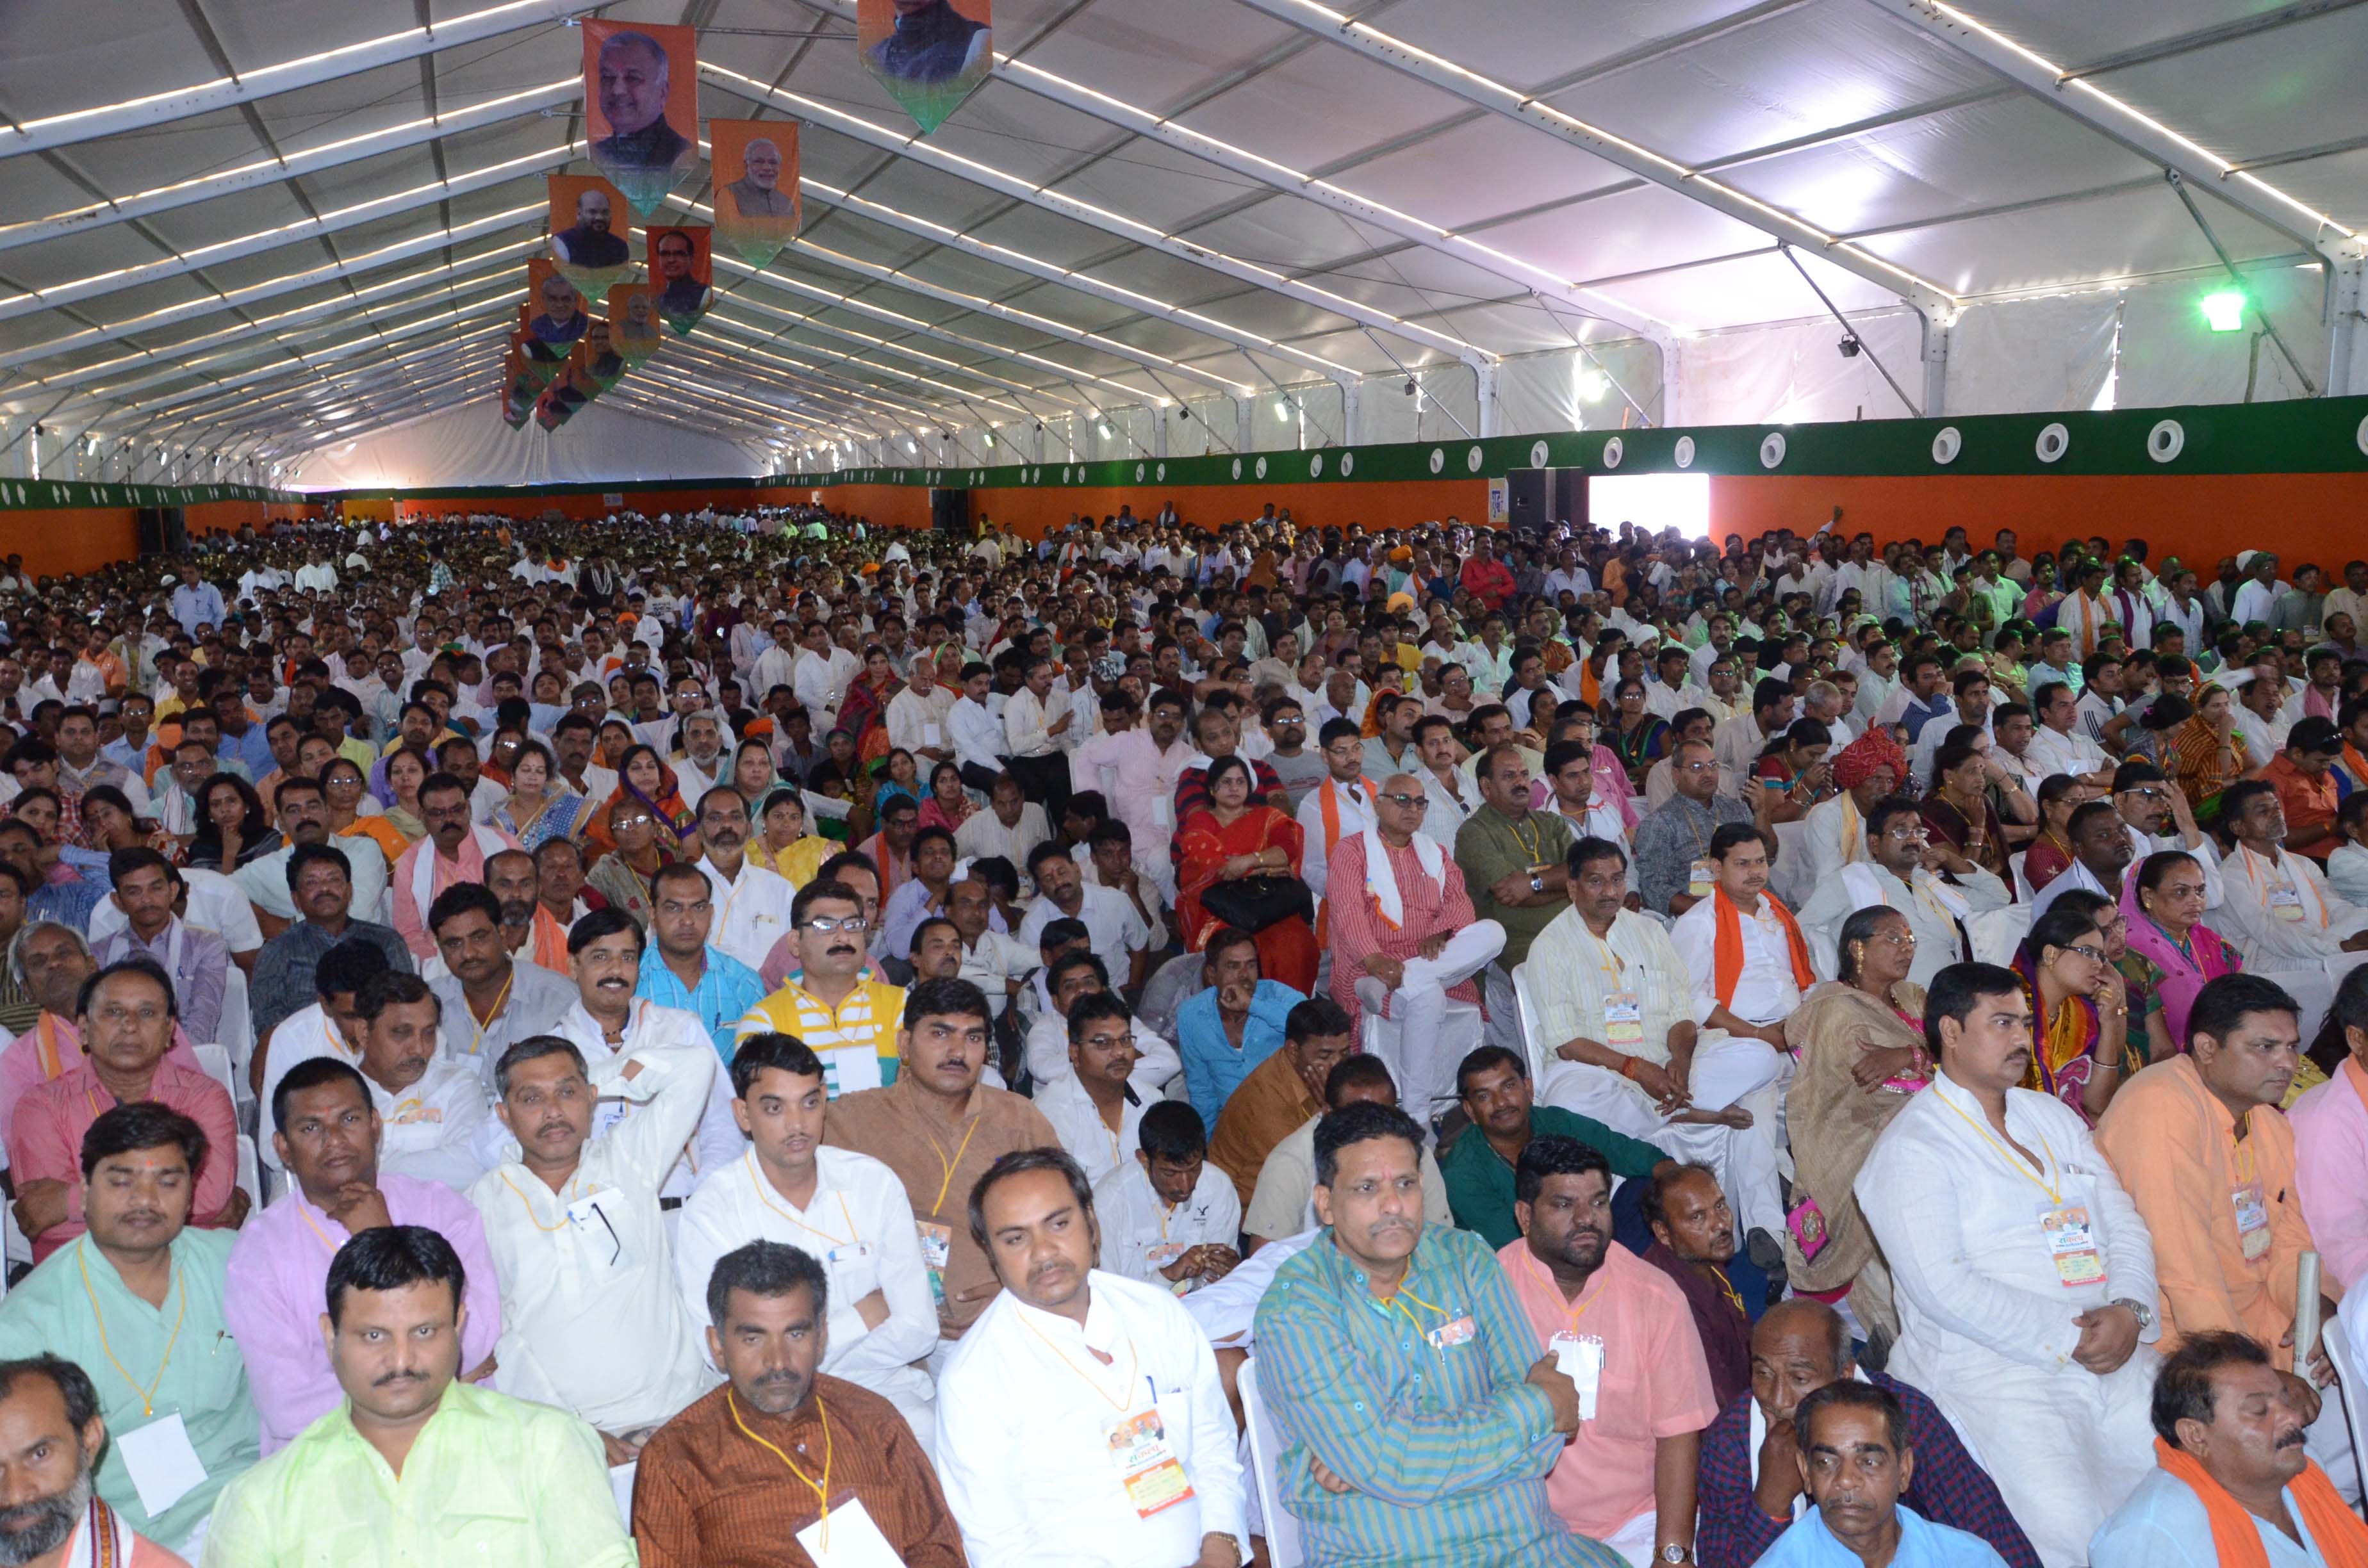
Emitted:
pixel 50 494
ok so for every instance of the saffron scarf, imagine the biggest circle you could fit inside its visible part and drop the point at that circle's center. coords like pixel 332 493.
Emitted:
pixel 1726 952
pixel 2335 1529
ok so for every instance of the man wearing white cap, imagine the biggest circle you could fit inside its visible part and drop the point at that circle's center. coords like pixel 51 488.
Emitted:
pixel 2260 589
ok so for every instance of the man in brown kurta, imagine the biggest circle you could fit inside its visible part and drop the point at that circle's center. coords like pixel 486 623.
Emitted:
pixel 1273 1101
pixel 938 1128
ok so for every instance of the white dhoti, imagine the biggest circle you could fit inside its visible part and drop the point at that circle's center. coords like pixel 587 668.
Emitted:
pixel 1431 1039
pixel 1728 1070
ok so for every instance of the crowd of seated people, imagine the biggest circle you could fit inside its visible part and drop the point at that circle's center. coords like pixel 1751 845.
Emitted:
pixel 763 1040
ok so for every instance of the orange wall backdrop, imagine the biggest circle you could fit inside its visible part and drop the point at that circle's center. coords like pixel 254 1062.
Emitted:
pixel 2199 518
pixel 83 539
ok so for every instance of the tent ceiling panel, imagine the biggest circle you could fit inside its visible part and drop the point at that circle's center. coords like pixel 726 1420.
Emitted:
pixel 1320 105
pixel 1626 233
pixel 1160 184
pixel 32 189
pixel 1500 167
pixel 1761 287
pixel 158 156
pixel 1827 64
pixel 62 59
pixel 2331 184
pixel 2311 70
pixel 2032 249
pixel 2069 34
pixel 1525 34
pixel 1293 237
pixel 1161 63
pixel 2014 148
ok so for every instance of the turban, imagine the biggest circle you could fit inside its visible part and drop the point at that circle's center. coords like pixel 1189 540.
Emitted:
pixel 1400 602
pixel 1402 552
pixel 1860 759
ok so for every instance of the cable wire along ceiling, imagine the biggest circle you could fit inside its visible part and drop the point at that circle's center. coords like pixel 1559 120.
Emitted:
pixel 234 234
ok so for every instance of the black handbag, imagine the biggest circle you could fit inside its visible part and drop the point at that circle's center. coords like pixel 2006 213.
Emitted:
pixel 1253 904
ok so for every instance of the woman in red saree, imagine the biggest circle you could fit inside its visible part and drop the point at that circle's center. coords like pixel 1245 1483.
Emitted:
pixel 865 711
pixel 1228 839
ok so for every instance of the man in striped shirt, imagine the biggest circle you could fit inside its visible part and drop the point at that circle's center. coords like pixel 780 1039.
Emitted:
pixel 848 1020
pixel 1415 1428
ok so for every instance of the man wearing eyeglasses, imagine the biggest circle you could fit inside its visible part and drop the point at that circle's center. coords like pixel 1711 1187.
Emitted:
pixel 848 1020
pixel 2157 815
pixel 1406 940
pixel 1905 873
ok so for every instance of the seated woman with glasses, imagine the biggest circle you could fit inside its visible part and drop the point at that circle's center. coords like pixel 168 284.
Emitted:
pixel 2079 1005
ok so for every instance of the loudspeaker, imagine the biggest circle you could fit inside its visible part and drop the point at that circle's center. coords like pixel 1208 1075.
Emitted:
pixel 164 530
pixel 1538 499
pixel 950 512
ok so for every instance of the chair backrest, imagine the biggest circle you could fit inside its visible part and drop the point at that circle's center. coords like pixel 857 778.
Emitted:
pixel 1283 1547
pixel 250 1173
pixel 2336 1332
pixel 1791 880
pixel 237 1030
pixel 2014 873
pixel 1531 1038
pixel 215 1060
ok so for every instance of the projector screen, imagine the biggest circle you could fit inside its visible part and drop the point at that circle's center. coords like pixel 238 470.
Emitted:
pixel 1651 501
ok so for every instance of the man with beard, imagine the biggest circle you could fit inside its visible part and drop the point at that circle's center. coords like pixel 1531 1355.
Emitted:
pixel 2232 1484
pixel 788 1187
pixel 2024 1274
pixel 768 1304
pixel 577 1219
pixel 515 880
pixel 454 851
pixel 757 193
pixel 492 999
pixel 752 904
pixel 52 1434
pixel 1620 1328
pixel 327 1143
pixel 414 1463
pixel 588 243
pixel 122 1292
pixel 1082 1419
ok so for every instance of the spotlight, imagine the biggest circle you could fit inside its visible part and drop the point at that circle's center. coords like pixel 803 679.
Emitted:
pixel 1849 348
pixel 2224 311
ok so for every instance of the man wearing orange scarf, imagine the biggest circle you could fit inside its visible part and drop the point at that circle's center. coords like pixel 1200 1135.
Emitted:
pixel 2235 1489
pixel 1744 950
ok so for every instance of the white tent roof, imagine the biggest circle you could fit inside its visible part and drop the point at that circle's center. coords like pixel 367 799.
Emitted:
pixel 1151 200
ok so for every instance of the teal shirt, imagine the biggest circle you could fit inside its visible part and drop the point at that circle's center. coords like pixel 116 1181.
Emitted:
pixel 1480 1184
pixel 204 1380
pixel 1445 1444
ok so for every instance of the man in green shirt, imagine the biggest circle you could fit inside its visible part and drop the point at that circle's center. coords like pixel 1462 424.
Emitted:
pixel 136 1301
pixel 1493 1087
pixel 1512 859
pixel 415 1467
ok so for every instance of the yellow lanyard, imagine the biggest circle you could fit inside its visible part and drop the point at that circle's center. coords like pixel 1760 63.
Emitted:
pixel 948 1165
pixel 2055 1194
pixel 1618 966
pixel 528 1203
pixel 148 1394
pixel 1133 1364
pixel 1530 846
pixel 1571 1314
pixel 821 1489
pixel 763 1197
pixel 477 1045
pixel 306 1215
pixel 1726 1288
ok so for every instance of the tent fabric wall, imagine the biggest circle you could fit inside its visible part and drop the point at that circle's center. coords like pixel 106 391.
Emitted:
pixel 1794 372
pixel 2034 356
pixel 2169 356
pixel 1539 393
pixel 470 446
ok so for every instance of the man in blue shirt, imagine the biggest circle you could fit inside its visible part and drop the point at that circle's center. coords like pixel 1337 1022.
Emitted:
pixel 1855 1460
pixel 1227 1029
pixel 680 969
pixel 197 603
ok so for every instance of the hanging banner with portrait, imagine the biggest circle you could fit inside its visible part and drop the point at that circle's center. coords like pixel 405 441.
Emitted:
pixel 603 365
pixel 929 54
pixel 641 107
pixel 589 228
pixel 753 163
pixel 555 317
pixel 519 387
pixel 681 272
pixel 633 321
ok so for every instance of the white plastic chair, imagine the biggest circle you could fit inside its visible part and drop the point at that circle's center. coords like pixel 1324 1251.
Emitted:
pixel 215 1060
pixel 1790 881
pixel 250 1174
pixel 1284 1548
pixel 1999 933
pixel 2022 888
pixel 235 1033
pixel 1530 1037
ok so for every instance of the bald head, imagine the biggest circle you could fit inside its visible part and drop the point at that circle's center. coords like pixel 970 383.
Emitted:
pixel 1399 806
pixel 1798 1347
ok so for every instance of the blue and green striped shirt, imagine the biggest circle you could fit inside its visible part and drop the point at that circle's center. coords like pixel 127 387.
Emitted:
pixel 1419 1404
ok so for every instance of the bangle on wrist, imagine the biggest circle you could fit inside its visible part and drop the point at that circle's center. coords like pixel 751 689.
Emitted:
pixel 1628 1068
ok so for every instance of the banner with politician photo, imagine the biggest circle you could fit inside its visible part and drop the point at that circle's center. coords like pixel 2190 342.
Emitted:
pixel 567 395
pixel 603 365
pixel 753 163
pixel 929 54
pixel 519 387
pixel 589 228
pixel 641 107
pixel 555 316
pixel 681 272
pixel 633 322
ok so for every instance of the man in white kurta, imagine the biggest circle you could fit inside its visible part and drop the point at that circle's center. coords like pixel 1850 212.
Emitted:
pixel 2279 910
pixel 591 1320
pixel 751 904
pixel 854 1221
pixel 715 1140
pixel 1068 1410
pixel 1606 983
pixel 2011 1268
pixel 1901 875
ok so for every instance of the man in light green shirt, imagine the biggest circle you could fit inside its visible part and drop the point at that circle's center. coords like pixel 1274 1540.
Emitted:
pixel 136 1301
pixel 415 1470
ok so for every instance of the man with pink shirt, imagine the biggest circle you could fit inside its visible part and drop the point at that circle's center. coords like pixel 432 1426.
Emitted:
pixel 2330 1134
pixel 1622 1331
pixel 454 851
pixel 125 1014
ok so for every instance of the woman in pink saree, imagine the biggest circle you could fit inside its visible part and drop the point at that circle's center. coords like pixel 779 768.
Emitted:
pixel 2171 952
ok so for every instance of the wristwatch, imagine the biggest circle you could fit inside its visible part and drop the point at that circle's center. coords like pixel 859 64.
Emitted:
pixel 1675 1554
pixel 2138 1309
pixel 1537 882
